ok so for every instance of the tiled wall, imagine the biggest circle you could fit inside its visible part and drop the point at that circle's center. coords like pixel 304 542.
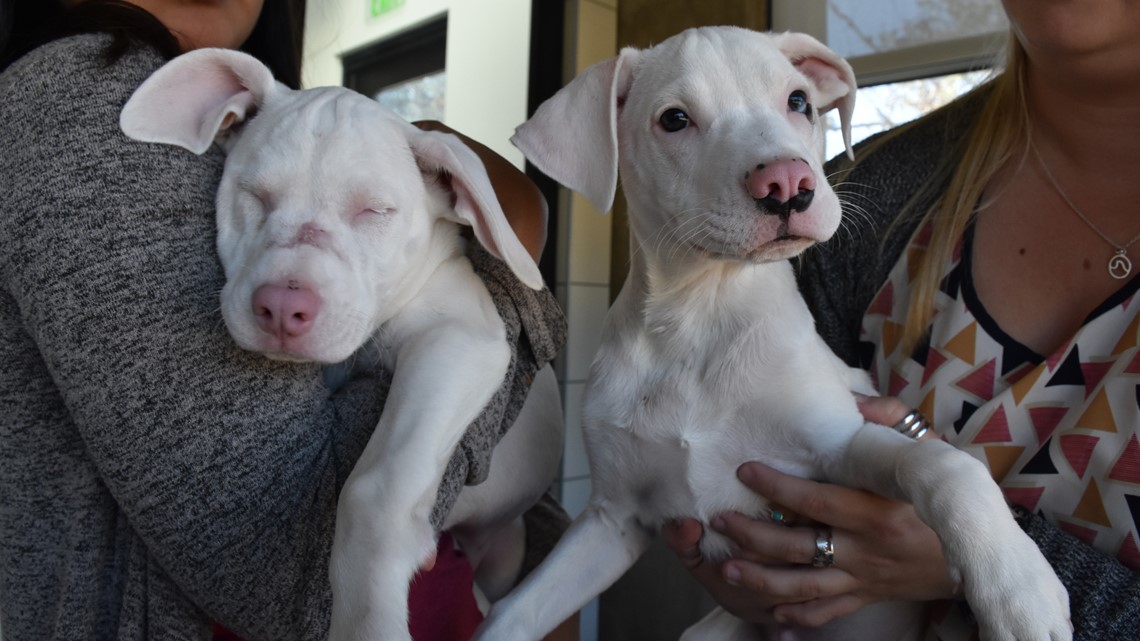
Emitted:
pixel 583 289
pixel 583 272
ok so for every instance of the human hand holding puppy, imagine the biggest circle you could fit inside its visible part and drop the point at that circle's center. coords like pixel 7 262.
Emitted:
pixel 883 552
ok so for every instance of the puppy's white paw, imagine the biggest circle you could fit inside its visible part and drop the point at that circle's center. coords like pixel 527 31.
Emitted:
pixel 1015 594
pixel 370 593
pixel 503 623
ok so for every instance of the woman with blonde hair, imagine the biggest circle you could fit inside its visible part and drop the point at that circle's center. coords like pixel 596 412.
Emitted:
pixel 990 289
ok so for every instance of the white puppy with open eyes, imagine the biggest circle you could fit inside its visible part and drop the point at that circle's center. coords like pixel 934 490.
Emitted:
pixel 709 357
pixel 339 227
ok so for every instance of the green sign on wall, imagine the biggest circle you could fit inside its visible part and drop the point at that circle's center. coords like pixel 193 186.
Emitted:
pixel 383 6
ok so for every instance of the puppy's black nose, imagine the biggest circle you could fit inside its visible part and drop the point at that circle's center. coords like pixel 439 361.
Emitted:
pixel 773 206
pixel 782 187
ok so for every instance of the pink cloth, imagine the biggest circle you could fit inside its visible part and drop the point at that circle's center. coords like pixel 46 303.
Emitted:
pixel 441 604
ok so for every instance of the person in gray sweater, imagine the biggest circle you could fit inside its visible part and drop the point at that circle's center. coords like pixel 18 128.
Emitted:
pixel 154 478
pixel 984 279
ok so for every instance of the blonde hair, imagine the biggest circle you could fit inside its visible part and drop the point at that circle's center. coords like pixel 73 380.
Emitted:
pixel 999 132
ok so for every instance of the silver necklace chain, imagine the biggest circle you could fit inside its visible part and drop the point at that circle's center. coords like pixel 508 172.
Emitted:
pixel 1119 265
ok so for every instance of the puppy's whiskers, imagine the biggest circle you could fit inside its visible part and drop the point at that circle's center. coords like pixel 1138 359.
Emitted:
pixel 855 207
pixel 681 228
pixel 699 230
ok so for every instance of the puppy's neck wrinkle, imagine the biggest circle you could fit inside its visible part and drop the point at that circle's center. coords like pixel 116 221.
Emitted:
pixel 445 243
pixel 693 301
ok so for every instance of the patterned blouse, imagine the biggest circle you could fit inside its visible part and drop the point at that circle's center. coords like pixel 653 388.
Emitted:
pixel 1058 431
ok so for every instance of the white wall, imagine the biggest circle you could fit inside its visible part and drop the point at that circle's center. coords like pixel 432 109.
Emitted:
pixel 488 47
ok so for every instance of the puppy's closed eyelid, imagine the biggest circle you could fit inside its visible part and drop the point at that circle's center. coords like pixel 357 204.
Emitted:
pixel 372 209
pixel 258 192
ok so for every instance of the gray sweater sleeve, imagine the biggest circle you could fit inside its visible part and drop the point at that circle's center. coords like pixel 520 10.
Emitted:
pixel 154 476
pixel 839 280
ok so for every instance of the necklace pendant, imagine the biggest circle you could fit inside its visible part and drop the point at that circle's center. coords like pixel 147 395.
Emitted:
pixel 1119 266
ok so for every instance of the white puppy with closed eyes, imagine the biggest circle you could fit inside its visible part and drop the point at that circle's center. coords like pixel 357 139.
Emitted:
pixel 339 228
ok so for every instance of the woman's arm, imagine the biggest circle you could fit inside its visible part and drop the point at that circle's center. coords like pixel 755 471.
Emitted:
pixel 882 552
pixel 226 465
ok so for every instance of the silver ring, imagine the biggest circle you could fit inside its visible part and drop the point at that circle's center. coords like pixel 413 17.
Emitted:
pixel 913 425
pixel 824 549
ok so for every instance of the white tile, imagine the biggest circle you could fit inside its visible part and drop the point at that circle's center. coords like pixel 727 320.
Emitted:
pixel 575 496
pixel 590 241
pixel 585 308
pixel 574 462
pixel 562 295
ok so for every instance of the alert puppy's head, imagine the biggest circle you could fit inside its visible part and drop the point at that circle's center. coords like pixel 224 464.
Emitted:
pixel 718 133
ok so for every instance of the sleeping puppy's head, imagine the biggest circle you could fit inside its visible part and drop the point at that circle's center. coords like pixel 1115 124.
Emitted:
pixel 330 206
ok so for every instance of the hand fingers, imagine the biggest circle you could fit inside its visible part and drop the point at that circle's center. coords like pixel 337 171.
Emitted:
pixel 817 612
pixel 765 542
pixel 683 537
pixel 788 584
pixel 884 410
pixel 828 504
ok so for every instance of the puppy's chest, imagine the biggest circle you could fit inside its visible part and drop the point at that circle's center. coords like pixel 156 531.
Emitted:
pixel 689 420
pixel 656 393
pixel 675 428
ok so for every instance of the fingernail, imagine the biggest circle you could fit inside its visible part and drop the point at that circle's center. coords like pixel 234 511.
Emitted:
pixel 732 574
pixel 779 616
pixel 745 472
pixel 718 524
pixel 860 398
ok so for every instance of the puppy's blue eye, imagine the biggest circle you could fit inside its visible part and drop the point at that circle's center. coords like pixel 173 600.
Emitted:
pixel 674 120
pixel 798 102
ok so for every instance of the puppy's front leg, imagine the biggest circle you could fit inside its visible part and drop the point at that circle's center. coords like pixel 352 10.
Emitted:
pixel 444 375
pixel 1009 585
pixel 601 544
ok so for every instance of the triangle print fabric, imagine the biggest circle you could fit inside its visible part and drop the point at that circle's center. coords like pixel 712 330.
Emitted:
pixel 1058 431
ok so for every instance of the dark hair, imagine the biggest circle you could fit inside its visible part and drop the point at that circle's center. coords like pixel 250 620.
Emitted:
pixel 27 24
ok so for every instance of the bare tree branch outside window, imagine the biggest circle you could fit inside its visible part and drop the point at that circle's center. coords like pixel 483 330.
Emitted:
pixel 863 27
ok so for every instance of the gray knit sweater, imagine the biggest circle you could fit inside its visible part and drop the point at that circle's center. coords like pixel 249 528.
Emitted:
pixel 839 279
pixel 154 477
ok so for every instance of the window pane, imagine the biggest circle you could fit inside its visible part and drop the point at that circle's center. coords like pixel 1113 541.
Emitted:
pixel 885 106
pixel 421 98
pixel 861 27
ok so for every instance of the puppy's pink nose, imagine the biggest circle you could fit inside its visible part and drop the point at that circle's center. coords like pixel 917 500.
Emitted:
pixel 285 312
pixel 783 186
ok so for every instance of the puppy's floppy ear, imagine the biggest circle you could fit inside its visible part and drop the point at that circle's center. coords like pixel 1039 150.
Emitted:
pixel 475 202
pixel 832 76
pixel 572 137
pixel 197 98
